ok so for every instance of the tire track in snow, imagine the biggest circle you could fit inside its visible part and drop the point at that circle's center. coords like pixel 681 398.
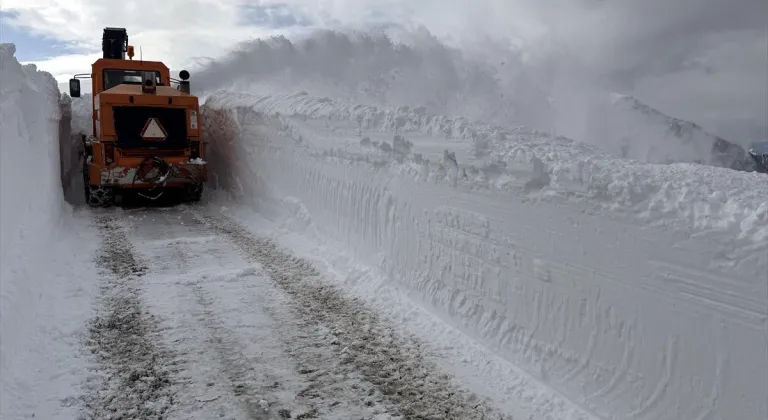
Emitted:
pixel 169 240
pixel 246 349
pixel 133 378
pixel 328 390
pixel 251 389
pixel 393 364
pixel 246 384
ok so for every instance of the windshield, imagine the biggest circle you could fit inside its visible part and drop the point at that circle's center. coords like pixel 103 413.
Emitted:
pixel 113 78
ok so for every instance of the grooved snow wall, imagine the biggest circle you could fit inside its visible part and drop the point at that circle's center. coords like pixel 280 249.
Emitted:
pixel 30 195
pixel 638 291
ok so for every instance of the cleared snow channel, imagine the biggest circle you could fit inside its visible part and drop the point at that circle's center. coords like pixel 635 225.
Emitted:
pixel 357 262
pixel 232 325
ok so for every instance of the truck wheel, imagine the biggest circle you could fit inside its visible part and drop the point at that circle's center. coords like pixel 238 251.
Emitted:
pixel 195 192
pixel 98 196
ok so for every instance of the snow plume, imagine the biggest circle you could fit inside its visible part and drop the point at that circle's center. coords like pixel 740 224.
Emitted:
pixel 636 290
pixel 495 83
pixel 365 67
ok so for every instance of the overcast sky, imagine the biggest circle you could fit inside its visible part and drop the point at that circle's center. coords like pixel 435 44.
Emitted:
pixel 701 60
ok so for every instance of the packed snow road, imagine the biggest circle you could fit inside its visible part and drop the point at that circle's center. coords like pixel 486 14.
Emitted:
pixel 200 318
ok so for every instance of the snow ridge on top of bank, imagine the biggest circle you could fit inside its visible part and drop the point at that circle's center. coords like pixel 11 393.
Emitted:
pixel 542 166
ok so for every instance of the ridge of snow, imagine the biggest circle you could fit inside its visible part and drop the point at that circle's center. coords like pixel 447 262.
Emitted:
pixel 701 197
pixel 695 145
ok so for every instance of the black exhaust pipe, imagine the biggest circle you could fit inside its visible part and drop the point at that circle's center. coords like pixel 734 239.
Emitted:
pixel 114 43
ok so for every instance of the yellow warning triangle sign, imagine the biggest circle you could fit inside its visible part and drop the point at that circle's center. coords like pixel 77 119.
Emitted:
pixel 153 130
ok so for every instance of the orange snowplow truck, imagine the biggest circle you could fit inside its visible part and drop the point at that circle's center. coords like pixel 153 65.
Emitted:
pixel 146 133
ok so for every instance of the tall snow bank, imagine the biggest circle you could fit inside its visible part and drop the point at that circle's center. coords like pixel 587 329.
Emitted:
pixel 421 71
pixel 30 195
pixel 82 122
pixel 77 117
pixel 638 291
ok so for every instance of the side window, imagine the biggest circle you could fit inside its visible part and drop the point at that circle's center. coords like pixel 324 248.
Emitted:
pixel 109 80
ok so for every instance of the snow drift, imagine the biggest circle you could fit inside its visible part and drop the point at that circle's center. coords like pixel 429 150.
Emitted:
pixel 638 291
pixel 420 71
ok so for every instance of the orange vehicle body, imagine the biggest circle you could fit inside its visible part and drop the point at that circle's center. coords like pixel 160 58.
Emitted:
pixel 146 134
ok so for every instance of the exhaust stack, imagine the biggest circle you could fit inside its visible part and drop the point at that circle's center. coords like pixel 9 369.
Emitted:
pixel 114 43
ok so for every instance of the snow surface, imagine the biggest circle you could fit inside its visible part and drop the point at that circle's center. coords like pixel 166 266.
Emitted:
pixel 477 366
pixel 635 290
pixel 541 276
pixel 45 274
pixel 183 326
pixel 628 128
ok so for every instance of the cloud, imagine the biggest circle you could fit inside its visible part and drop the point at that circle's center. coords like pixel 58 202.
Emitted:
pixel 172 31
pixel 724 87
pixel 277 15
pixel 30 46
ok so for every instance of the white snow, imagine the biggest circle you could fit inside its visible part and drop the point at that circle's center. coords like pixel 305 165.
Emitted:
pixel 477 366
pixel 635 290
pixel 555 278
pixel 625 127
pixel 515 159
pixel 45 252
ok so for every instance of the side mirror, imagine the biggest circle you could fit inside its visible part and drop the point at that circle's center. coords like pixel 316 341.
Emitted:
pixel 74 88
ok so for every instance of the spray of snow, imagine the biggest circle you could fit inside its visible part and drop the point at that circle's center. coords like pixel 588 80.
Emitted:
pixel 504 87
pixel 635 290
pixel 42 296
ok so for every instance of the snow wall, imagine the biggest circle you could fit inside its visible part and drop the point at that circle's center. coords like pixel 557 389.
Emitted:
pixel 31 196
pixel 637 291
